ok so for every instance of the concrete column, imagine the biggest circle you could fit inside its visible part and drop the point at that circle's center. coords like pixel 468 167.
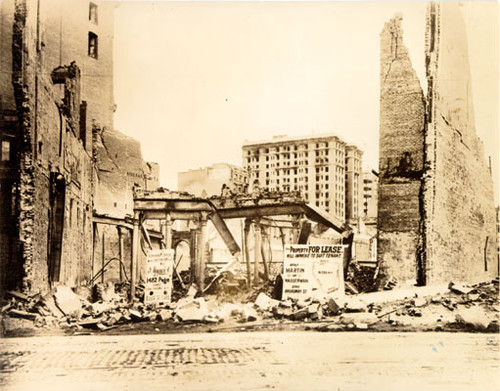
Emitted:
pixel 103 259
pixel 135 253
pixel 256 250
pixel 247 251
pixel 193 255
pixel 120 251
pixel 94 245
pixel 202 236
pixel 167 231
pixel 265 259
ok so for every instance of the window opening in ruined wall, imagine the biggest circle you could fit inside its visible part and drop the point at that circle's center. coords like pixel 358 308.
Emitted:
pixel 93 13
pixel 93 45
pixel 5 150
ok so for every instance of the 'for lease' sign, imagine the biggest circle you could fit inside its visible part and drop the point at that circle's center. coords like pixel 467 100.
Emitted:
pixel 311 270
pixel 159 267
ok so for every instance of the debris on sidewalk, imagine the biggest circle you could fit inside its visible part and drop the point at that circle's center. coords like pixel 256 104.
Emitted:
pixel 106 306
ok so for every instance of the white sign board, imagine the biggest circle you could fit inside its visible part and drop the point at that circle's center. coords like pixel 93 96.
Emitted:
pixel 159 268
pixel 313 270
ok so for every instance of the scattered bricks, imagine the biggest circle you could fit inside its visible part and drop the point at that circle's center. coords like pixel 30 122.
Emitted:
pixel 414 312
pixel 165 315
pixel 67 301
pixel 49 302
pixel 151 316
pixel 5 307
pixel 22 314
pixel 18 295
pixel 361 326
pixel 265 303
pixel 191 313
pixel 99 308
pixel 390 284
pixel 459 288
pixel 313 309
pixel 318 314
pixel 286 303
pixel 300 314
pixel 126 318
pixel 113 318
pixel 333 306
pixel 84 292
pixel 494 326
pixel 15 326
pixel 89 323
pixel 353 304
pixel 474 316
pixel 301 303
pixel 249 314
pixel 349 287
pixel 472 297
pixel 226 311
pixel 334 327
pixel 211 318
pixel 357 318
pixel 282 312
pixel 135 315
pixel 419 302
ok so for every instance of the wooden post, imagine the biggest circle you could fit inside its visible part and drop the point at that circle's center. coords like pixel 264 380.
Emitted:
pixel 193 255
pixel 168 232
pixel 200 280
pixel 135 253
pixel 103 259
pixel 265 260
pixel 94 245
pixel 256 250
pixel 120 251
pixel 247 251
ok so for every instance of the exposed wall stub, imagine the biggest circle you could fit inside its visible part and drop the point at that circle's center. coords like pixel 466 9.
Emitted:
pixel 436 207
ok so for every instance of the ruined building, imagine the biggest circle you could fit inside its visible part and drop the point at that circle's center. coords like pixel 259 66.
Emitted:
pixel 208 181
pixel 325 169
pixel 436 212
pixel 55 85
pixel 121 170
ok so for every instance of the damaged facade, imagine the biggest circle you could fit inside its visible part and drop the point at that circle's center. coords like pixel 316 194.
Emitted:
pixel 56 91
pixel 121 170
pixel 436 212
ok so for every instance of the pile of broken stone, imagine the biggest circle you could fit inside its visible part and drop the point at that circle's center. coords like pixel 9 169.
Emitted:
pixel 473 307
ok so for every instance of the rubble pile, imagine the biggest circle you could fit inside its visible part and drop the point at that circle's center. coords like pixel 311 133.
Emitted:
pixel 106 306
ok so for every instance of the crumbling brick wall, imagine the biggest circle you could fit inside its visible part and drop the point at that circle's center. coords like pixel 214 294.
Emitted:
pixel 49 144
pixel 436 207
pixel 460 226
pixel 401 156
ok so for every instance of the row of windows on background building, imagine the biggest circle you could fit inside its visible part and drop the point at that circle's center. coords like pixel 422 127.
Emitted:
pixel 93 39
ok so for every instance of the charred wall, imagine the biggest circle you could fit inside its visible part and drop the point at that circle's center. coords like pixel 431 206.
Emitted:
pixel 402 115
pixel 52 159
pixel 436 206
pixel 460 224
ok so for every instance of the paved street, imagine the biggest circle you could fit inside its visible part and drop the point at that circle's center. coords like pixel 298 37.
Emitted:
pixel 253 361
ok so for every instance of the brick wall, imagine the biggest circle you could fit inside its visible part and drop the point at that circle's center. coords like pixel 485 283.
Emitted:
pixel 400 156
pixel 48 145
pixel 461 236
pixel 436 208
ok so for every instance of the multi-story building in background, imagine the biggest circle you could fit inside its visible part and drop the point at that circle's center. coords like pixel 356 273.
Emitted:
pixel 314 165
pixel 370 196
pixel 208 181
pixel 353 184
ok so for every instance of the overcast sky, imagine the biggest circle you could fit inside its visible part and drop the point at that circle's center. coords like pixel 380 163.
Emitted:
pixel 194 80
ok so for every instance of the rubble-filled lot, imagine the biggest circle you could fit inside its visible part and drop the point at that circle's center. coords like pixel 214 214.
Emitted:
pixel 106 309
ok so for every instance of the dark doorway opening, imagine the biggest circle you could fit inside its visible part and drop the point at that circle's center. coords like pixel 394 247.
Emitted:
pixel 56 225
